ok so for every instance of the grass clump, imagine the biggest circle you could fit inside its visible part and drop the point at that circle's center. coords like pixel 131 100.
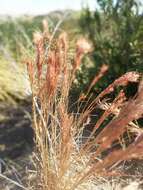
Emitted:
pixel 64 158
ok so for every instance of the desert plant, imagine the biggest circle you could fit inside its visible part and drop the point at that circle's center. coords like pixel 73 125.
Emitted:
pixel 64 158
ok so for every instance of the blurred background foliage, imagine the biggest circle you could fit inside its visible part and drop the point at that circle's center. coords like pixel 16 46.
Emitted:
pixel 115 30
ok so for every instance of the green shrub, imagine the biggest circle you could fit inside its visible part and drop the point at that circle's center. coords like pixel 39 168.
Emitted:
pixel 116 31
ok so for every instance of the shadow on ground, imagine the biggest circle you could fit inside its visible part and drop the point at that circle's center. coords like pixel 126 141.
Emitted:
pixel 16 134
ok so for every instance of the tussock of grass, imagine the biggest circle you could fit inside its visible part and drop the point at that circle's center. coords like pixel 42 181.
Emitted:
pixel 66 157
pixel 63 161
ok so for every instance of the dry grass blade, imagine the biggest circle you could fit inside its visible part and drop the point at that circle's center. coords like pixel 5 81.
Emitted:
pixel 103 70
pixel 132 110
pixel 121 81
pixel 112 108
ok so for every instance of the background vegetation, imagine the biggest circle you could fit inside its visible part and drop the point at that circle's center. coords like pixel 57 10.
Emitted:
pixel 115 31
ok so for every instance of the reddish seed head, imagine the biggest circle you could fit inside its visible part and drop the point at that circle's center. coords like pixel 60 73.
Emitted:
pixel 63 39
pixel 104 68
pixel 45 25
pixel 37 37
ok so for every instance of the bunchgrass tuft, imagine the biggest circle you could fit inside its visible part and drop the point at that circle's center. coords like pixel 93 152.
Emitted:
pixel 65 157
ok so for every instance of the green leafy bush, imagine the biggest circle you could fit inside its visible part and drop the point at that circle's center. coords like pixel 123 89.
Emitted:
pixel 116 31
